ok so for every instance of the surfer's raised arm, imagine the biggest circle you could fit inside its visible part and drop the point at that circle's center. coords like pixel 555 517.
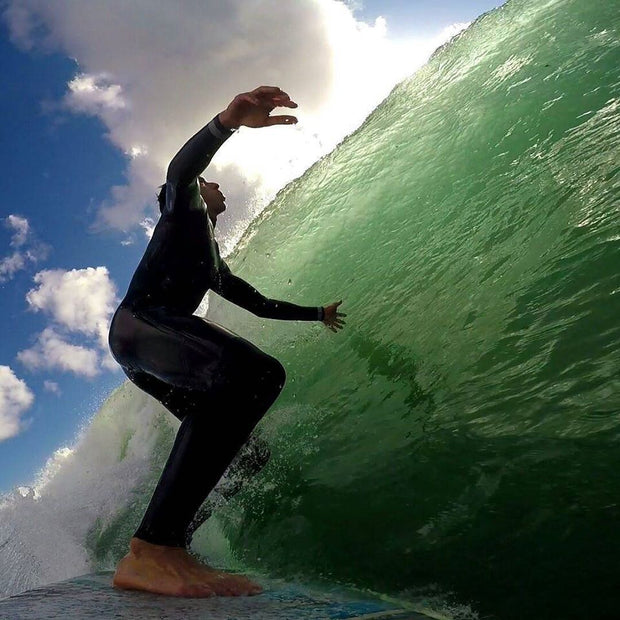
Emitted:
pixel 251 109
pixel 196 154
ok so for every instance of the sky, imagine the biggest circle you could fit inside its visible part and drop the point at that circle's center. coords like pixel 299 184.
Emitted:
pixel 96 99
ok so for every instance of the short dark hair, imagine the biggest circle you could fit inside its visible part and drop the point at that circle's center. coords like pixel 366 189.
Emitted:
pixel 161 197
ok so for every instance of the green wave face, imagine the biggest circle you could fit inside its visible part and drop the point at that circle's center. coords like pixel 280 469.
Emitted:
pixel 462 430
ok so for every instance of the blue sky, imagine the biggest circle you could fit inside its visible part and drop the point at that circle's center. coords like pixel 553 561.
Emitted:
pixel 419 17
pixel 86 136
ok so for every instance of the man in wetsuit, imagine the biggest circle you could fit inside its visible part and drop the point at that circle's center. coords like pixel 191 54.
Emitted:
pixel 218 384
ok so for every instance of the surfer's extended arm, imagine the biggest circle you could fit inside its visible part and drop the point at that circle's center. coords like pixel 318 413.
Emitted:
pixel 242 294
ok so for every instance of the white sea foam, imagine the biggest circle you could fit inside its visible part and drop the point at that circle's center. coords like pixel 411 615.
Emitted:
pixel 44 526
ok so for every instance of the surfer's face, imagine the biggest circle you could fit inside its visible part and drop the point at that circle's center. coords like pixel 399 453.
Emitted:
pixel 211 194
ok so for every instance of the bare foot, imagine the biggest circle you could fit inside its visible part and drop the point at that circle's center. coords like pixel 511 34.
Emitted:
pixel 173 571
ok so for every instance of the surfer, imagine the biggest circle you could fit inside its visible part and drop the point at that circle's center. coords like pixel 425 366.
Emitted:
pixel 218 384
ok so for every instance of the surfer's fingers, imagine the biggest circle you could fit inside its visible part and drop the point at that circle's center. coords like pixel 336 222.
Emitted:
pixel 275 95
pixel 284 103
pixel 246 98
pixel 281 100
pixel 269 90
pixel 283 119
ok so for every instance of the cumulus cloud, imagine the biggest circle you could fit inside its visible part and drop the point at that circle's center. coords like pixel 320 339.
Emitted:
pixel 15 399
pixel 27 249
pixel 52 352
pixel 79 302
pixel 155 72
pixel 93 93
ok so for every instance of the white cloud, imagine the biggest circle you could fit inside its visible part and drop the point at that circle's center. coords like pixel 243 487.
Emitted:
pixel 28 250
pixel 155 72
pixel 15 399
pixel 21 227
pixel 93 93
pixel 136 151
pixel 52 352
pixel 52 386
pixel 148 225
pixel 79 302
pixel 10 265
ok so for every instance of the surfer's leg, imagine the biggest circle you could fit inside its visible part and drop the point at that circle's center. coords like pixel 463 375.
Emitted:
pixel 211 434
pixel 158 561
pixel 242 382
pixel 250 459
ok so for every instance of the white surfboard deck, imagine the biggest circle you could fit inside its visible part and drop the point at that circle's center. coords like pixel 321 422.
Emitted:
pixel 92 596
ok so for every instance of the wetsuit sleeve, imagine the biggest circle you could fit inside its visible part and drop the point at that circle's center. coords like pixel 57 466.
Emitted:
pixel 239 292
pixel 189 162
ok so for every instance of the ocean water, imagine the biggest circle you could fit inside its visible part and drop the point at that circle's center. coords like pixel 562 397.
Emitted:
pixel 458 443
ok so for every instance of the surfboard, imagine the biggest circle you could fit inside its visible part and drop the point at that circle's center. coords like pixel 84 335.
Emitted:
pixel 92 596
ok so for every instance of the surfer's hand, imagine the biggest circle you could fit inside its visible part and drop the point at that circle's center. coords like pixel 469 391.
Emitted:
pixel 253 109
pixel 332 318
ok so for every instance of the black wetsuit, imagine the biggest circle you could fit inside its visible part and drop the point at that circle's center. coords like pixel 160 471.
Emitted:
pixel 218 384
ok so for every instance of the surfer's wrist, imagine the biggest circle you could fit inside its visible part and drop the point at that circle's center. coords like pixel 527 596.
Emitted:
pixel 226 121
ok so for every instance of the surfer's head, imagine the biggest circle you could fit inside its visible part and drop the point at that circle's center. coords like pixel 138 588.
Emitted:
pixel 212 196
pixel 210 193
